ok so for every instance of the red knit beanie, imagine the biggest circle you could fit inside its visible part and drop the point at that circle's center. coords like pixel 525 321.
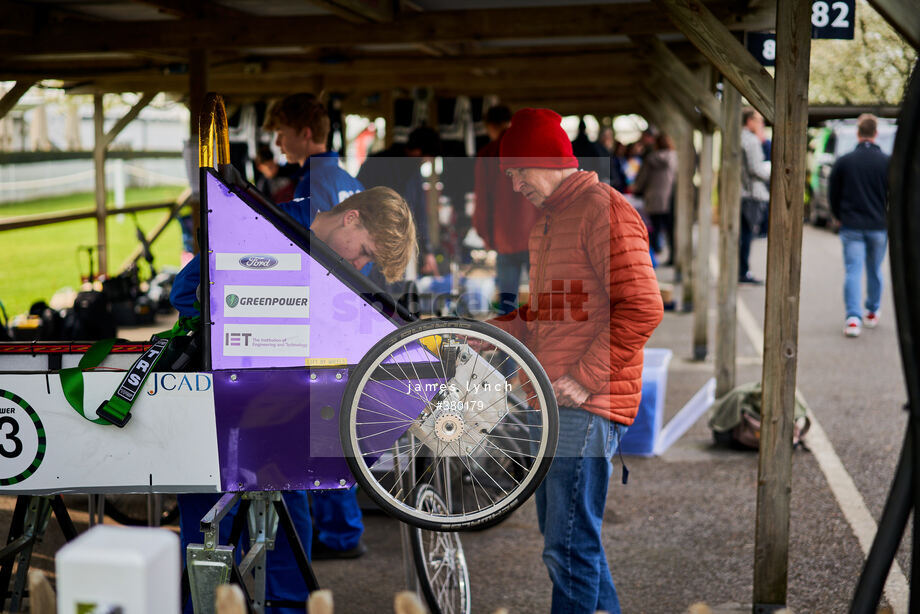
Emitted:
pixel 536 140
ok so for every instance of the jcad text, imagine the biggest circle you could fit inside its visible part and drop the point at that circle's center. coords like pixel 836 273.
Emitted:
pixel 191 382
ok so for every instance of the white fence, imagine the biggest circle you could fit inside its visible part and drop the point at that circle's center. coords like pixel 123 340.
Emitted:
pixel 21 182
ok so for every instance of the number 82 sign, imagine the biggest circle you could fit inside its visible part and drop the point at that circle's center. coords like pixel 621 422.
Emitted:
pixel 829 19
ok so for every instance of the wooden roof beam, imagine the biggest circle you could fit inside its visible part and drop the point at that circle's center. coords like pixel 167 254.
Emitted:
pixel 200 9
pixel 660 112
pixel 576 62
pixel 426 27
pixel 343 81
pixel 359 11
pixel 728 55
pixel 671 70
pixel 10 98
pixel 903 16
pixel 658 92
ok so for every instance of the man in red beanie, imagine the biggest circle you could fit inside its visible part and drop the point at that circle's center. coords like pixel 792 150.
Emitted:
pixel 594 302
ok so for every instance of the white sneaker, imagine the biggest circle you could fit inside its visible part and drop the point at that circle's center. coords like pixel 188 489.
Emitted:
pixel 852 327
pixel 870 320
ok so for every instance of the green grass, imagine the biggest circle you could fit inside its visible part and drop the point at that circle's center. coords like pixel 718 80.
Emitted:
pixel 40 260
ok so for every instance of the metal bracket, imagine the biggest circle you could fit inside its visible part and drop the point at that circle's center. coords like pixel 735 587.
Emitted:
pixel 207 569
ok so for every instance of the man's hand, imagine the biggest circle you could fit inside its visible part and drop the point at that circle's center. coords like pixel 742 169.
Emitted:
pixel 429 265
pixel 569 392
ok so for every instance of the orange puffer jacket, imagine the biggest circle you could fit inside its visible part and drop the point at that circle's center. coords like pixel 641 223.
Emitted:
pixel 594 298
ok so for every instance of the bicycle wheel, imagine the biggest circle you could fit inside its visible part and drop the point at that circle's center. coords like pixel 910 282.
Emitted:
pixel 423 406
pixel 439 562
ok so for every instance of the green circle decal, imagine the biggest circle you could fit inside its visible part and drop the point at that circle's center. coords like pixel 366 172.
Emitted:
pixel 20 450
pixel 232 300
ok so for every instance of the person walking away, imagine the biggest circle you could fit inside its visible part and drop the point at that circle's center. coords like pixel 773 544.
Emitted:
pixel 857 191
pixel 755 190
pixel 502 217
pixel 590 245
pixel 655 184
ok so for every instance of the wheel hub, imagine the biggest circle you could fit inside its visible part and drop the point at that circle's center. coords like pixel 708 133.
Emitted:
pixel 448 415
pixel 448 426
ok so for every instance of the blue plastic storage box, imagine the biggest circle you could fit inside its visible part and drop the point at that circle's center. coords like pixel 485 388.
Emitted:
pixel 641 437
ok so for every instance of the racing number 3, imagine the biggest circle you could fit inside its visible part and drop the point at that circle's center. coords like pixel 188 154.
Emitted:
pixel 10 436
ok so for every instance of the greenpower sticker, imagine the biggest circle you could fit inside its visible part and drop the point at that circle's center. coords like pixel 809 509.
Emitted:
pixel 232 300
pixel 22 439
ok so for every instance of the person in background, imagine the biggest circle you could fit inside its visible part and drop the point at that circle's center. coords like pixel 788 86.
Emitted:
pixel 275 181
pixel 633 162
pixel 398 167
pixel 618 167
pixel 767 146
pixel 591 155
pixel 591 242
pixel 655 184
pixel 755 190
pixel 606 139
pixel 857 190
pixel 502 217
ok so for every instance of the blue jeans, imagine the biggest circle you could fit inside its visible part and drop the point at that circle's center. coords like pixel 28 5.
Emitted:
pixel 337 518
pixel 570 510
pixel 862 249
pixel 508 271
pixel 283 578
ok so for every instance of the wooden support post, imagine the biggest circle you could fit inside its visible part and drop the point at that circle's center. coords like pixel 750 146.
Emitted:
pixel 197 90
pixel 729 225
pixel 101 142
pixel 704 234
pixel 683 215
pixel 784 260
pixel 903 16
pixel 719 45
pixel 9 99
pixel 99 164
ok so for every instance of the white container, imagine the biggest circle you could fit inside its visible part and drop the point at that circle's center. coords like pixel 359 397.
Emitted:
pixel 136 569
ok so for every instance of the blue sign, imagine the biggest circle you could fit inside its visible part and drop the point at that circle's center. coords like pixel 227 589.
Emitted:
pixel 762 46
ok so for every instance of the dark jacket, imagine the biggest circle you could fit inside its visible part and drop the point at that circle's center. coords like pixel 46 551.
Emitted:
pixel 395 169
pixel 858 188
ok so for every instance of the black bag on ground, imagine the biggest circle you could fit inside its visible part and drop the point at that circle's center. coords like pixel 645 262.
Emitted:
pixel 90 318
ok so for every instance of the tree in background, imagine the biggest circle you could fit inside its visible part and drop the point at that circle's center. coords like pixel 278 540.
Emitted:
pixel 873 68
